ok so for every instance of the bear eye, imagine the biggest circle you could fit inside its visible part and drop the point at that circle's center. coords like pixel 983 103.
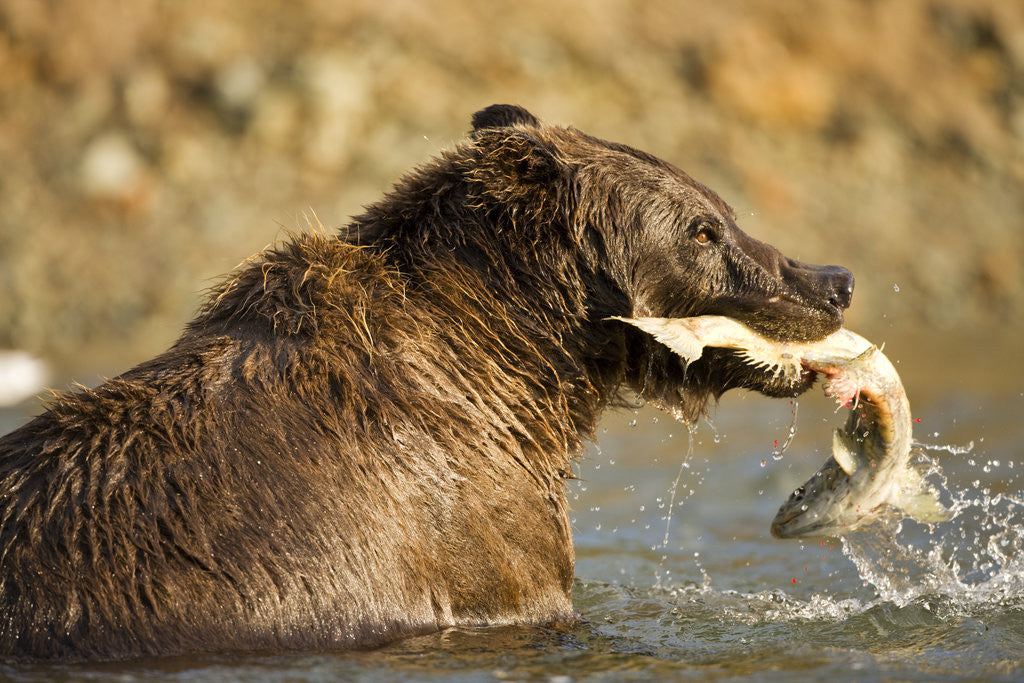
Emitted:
pixel 703 232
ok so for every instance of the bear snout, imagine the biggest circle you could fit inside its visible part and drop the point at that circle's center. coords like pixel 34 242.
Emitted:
pixel 839 286
pixel 822 287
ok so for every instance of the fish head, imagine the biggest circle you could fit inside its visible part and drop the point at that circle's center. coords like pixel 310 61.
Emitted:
pixel 824 506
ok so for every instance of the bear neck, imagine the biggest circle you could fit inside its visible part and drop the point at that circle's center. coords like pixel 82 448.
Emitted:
pixel 519 349
pixel 510 289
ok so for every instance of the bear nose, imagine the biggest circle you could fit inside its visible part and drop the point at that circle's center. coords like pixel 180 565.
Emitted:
pixel 840 286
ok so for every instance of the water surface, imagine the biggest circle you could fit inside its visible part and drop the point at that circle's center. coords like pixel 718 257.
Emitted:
pixel 720 598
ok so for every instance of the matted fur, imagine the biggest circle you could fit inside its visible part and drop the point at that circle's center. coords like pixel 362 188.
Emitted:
pixel 365 435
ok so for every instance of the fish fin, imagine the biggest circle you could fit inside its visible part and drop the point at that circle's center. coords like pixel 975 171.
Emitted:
pixel 844 450
pixel 677 337
pixel 919 500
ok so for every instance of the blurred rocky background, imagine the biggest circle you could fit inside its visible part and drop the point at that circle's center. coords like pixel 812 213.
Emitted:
pixel 147 147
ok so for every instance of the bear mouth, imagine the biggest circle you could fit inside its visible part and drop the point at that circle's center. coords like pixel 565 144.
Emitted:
pixel 665 380
pixel 792 321
pixel 729 370
pixel 783 317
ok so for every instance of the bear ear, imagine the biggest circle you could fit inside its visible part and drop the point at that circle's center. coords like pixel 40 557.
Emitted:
pixel 501 116
pixel 518 157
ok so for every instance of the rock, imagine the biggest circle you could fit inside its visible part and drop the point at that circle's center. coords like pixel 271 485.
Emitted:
pixel 111 169
pixel 21 376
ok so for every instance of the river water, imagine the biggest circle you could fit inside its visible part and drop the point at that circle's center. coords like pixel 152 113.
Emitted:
pixel 709 594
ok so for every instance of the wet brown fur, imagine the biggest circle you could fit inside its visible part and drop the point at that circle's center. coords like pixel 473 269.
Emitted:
pixel 365 435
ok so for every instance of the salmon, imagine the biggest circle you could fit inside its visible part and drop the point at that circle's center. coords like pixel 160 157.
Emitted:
pixel 869 473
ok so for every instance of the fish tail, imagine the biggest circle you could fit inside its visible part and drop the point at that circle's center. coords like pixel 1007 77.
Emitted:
pixel 919 500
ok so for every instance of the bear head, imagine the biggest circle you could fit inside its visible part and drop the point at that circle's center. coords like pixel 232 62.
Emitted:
pixel 655 242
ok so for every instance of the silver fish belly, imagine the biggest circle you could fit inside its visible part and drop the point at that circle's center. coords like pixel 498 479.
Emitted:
pixel 869 473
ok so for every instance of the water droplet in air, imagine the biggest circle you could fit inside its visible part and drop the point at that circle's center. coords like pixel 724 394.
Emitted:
pixel 895 288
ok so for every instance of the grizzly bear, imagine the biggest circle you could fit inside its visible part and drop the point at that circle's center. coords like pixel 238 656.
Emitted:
pixel 367 435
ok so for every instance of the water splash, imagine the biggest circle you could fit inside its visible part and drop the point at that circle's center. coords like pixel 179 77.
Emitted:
pixel 975 559
pixel 952 571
